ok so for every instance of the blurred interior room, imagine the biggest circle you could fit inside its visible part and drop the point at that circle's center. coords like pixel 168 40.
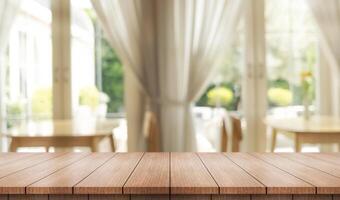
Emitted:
pixel 174 75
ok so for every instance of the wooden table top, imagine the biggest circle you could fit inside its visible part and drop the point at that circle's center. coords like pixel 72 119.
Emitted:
pixel 169 173
pixel 316 124
pixel 55 128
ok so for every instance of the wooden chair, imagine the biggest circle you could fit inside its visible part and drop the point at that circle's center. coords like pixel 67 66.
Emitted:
pixel 236 133
pixel 224 136
pixel 152 132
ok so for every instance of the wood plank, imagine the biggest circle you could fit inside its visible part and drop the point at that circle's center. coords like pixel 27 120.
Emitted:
pixel 189 175
pixel 109 197
pixel 231 197
pixel 151 176
pixel 3 197
pixel 325 183
pixel 16 183
pixel 312 197
pixel 6 158
pixel 26 162
pixel 62 181
pixel 324 166
pixel 328 157
pixel 68 197
pixel 276 180
pixel 150 197
pixel 336 197
pixel 28 197
pixel 230 178
pixel 110 177
pixel 271 197
pixel 190 197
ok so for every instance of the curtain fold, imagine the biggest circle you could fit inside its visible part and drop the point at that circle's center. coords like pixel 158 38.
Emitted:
pixel 327 17
pixel 8 11
pixel 171 48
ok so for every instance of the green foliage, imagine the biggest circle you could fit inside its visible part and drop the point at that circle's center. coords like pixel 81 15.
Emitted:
pixel 112 77
pixel 309 56
pixel 279 83
pixel 42 102
pixel 89 96
pixel 111 69
pixel 14 109
pixel 203 101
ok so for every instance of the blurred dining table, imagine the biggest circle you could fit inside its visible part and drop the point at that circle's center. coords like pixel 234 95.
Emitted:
pixel 315 130
pixel 61 133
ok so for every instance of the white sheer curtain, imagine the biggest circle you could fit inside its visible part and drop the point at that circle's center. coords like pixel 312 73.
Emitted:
pixel 170 49
pixel 327 16
pixel 8 11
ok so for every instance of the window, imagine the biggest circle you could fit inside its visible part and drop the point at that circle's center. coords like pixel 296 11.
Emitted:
pixel 28 68
pixel 223 93
pixel 99 89
pixel 291 52
pixel 97 72
pixel 225 89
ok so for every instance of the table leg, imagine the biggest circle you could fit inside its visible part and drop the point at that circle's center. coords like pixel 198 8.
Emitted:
pixel 13 146
pixel 297 143
pixel 112 143
pixel 274 133
pixel 94 145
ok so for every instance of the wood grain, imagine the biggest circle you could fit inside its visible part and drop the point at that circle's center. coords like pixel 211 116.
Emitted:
pixel 6 158
pixel 312 197
pixel 28 197
pixel 62 181
pixel 189 175
pixel 276 180
pixel 68 197
pixel 271 197
pixel 230 197
pixel 25 162
pixel 151 176
pixel 325 183
pixel 16 183
pixel 190 197
pixel 327 167
pixel 110 177
pixel 109 197
pixel 230 178
pixel 150 197
pixel 328 157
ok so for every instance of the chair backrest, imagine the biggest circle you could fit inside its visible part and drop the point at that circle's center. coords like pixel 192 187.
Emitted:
pixel 152 132
pixel 236 133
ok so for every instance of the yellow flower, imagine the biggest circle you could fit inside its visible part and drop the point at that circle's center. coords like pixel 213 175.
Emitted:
pixel 280 96
pixel 89 96
pixel 306 74
pixel 221 95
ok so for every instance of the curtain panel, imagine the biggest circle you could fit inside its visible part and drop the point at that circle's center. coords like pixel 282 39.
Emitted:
pixel 8 11
pixel 169 50
pixel 327 17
